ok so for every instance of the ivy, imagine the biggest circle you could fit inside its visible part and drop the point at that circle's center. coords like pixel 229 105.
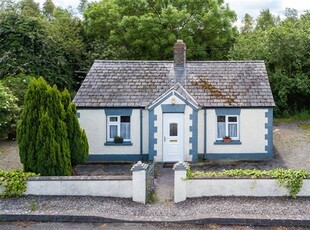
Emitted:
pixel 292 179
pixel 14 182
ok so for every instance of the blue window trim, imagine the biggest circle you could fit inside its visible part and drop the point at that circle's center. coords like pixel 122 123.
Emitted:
pixel 118 112
pixel 228 111
pixel 233 142
pixel 111 143
pixel 173 108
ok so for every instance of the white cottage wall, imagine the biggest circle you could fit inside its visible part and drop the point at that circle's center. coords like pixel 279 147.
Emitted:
pixel 94 124
pixel 252 133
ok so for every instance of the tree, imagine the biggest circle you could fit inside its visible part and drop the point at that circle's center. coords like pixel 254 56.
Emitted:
pixel 29 8
pixel 8 109
pixel 285 48
pixel 247 24
pixel 18 86
pixel 48 8
pixel 38 46
pixel 148 29
pixel 265 20
pixel 77 136
pixel 42 132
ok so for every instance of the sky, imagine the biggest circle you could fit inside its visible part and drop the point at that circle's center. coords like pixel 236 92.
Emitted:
pixel 253 7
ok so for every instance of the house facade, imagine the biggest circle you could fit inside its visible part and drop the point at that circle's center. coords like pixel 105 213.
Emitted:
pixel 170 111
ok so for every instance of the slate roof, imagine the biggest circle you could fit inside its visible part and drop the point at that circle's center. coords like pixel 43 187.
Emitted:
pixel 210 83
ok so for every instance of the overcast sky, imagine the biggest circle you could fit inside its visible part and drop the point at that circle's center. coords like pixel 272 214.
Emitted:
pixel 253 7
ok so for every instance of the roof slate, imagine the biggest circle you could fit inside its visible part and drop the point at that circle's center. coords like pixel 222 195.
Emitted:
pixel 210 83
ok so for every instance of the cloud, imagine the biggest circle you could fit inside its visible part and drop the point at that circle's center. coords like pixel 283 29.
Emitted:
pixel 253 7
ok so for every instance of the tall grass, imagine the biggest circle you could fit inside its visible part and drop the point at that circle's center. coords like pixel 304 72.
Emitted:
pixel 303 115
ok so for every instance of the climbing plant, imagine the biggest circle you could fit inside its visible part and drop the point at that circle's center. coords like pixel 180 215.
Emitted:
pixel 292 179
pixel 14 182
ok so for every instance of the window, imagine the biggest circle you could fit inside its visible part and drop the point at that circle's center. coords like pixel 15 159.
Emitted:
pixel 228 125
pixel 118 126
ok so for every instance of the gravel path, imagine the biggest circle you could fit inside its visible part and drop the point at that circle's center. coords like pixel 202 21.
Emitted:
pixel 229 207
pixel 9 157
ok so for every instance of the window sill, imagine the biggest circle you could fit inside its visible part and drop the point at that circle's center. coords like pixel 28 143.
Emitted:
pixel 111 143
pixel 233 142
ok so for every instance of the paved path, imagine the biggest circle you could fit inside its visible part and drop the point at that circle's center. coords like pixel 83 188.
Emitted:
pixel 164 184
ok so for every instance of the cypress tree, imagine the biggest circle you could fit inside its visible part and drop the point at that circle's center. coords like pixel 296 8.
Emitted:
pixel 77 137
pixel 27 129
pixel 42 132
pixel 49 148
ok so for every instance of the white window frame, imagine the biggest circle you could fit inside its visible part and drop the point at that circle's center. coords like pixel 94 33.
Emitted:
pixel 118 123
pixel 226 126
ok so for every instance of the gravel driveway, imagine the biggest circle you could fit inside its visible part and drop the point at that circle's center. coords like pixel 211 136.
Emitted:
pixel 291 148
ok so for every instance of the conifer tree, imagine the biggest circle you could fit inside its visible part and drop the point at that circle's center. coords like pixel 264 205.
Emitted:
pixel 27 129
pixel 77 137
pixel 42 132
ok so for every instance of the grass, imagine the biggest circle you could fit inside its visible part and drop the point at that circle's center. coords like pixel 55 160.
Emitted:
pixel 300 116
pixel 305 126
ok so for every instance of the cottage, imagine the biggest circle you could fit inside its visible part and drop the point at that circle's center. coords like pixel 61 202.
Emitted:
pixel 179 110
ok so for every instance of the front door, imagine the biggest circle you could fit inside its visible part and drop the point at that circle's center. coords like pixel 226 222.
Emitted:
pixel 173 137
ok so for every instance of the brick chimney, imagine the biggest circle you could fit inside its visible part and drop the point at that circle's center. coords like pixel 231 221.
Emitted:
pixel 179 54
pixel 179 62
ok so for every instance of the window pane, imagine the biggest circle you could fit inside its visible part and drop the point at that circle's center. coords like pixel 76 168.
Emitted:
pixel 232 130
pixel 221 129
pixel 125 130
pixel 173 129
pixel 220 118
pixel 113 131
pixel 232 119
pixel 125 118
pixel 113 119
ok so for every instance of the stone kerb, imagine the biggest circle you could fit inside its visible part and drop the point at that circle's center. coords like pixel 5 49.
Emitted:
pixel 139 182
pixel 179 181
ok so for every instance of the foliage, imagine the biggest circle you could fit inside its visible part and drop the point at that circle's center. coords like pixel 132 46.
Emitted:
pixel 18 86
pixel 305 126
pixel 9 110
pixel 42 132
pixel 148 29
pixel 14 182
pixel 285 48
pixel 292 179
pixel 77 137
pixel 303 115
pixel 118 139
pixel 38 45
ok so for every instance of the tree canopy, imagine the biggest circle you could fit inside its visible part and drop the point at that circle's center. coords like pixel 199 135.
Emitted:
pixel 285 48
pixel 148 29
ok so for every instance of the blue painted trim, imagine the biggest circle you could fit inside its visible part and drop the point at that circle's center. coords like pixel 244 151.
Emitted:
pixel 233 142
pixel 239 156
pixel 269 135
pixel 169 95
pixel 161 101
pixel 194 139
pixel 205 135
pixel 116 157
pixel 111 143
pixel 227 111
pixel 185 101
pixel 118 112
pixel 173 108
pixel 141 134
pixel 152 131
